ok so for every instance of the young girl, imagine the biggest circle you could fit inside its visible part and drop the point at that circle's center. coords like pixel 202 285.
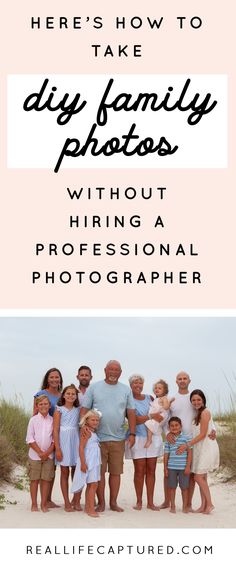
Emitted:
pixel 88 468
pixel 51 387
pixel 160 405
pixel 205 450
pixel 66 438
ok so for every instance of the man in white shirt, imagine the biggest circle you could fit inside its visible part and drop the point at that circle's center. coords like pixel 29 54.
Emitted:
pixel 181 406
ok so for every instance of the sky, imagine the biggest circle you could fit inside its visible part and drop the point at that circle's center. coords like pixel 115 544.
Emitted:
pixel 155 347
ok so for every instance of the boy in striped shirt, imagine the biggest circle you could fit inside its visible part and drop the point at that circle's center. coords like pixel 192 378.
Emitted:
pixel 177 467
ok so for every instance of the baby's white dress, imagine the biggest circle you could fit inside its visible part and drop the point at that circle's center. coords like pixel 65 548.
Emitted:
pixel 156 407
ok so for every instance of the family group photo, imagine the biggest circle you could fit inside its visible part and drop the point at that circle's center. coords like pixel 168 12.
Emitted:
pixel 148 443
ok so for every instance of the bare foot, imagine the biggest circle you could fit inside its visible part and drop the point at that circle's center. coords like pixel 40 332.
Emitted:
pixel 138 506
pixel 164 505
pixel 190 508
pixel 51 504
pixel 116 508
pixel 200 509
pixel 208 509
pixel 69 508
pixel 153 507
pixel 173 510
pixel 34 508
pixel 44 508
pixel 186 510
pixel 100 508
pixel 77 507
pixel 92 513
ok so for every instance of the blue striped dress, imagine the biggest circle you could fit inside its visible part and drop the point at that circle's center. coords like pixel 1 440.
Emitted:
pixel 69 435
pixel 92 453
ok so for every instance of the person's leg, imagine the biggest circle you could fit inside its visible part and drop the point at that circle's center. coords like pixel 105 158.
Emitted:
pixel 201 480
pixel 172 492
pixel 115 469
pixel 102 482
pixel 190 492
pixel 33 493
pixel 90 499
pixel 184 492
pixel 166 502
pixel 50 503
pixel 101 493
pixel 149 439
pixel 203 502
pixel 48 474
pixel 184 480
pixel 65 487
pixel 150 482
pixel 76 501
pixel 139 475
pixel 114 484
pixel 44 487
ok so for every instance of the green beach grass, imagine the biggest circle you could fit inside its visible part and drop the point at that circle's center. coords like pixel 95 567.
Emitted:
pixel 13 425
pixel 226 438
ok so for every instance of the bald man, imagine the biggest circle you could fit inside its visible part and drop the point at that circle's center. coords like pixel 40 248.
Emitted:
pixel 115 401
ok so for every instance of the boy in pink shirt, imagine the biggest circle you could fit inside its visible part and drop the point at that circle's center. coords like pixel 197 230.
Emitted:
pixel 41 460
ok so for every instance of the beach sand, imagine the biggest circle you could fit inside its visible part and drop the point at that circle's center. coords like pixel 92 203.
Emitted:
pixel 223 496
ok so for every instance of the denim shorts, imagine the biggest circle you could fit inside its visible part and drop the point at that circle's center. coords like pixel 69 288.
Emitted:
pixel 176 477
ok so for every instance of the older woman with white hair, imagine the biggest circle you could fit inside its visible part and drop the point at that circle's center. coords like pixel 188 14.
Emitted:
pixel 144 459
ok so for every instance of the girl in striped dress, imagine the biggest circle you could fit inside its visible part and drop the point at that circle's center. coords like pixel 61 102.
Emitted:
pixel 66 438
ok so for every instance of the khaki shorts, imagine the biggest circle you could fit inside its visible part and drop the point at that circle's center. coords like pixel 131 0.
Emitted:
pixel 112 453
pixel 41 469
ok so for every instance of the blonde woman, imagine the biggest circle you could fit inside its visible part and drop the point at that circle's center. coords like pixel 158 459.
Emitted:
pixel 144 459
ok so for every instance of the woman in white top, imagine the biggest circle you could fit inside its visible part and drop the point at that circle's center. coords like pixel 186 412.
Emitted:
pixel 205 450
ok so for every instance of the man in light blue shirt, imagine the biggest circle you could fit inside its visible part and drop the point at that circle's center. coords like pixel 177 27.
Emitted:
pixel 115 401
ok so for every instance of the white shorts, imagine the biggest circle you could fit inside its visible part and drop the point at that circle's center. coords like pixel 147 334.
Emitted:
pixel 138 450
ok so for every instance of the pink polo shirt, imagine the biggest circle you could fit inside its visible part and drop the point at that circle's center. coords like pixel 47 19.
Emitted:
pixel 40 431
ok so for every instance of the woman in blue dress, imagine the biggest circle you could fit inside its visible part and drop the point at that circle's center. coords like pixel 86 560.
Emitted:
pixel 88 468
pixel 144 459
pixel 51 387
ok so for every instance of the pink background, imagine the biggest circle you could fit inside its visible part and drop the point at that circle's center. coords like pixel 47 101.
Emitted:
pixel 200 206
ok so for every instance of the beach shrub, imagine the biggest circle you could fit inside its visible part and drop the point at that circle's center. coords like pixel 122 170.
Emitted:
pixel 7 456
pixel 227 445
pixel 13 425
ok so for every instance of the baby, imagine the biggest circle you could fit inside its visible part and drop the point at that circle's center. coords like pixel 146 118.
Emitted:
pixel 160 405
